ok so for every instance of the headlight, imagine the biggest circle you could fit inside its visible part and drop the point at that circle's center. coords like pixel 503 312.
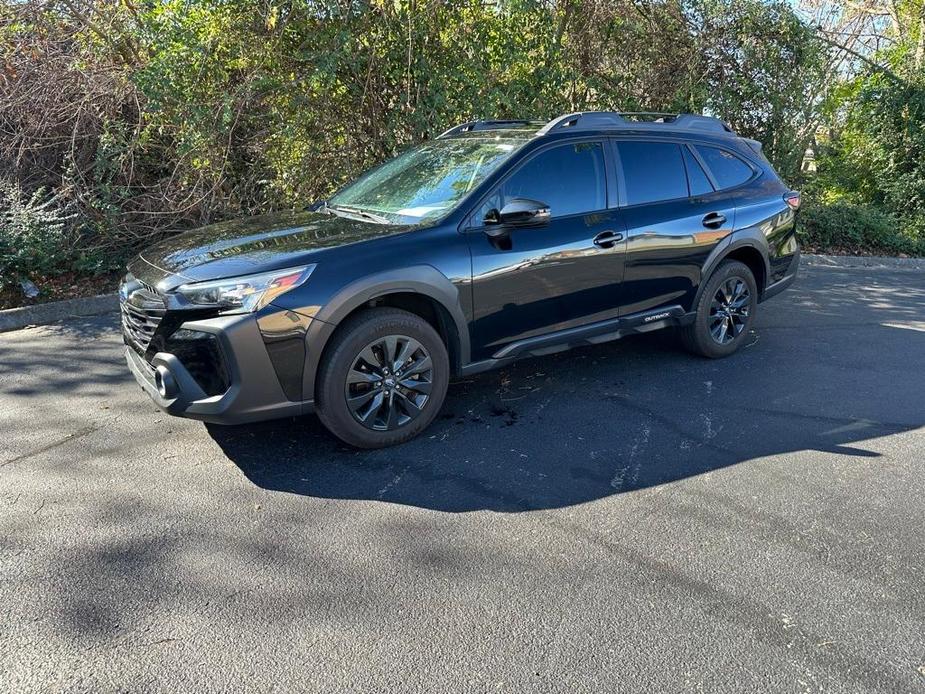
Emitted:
pixel 245 294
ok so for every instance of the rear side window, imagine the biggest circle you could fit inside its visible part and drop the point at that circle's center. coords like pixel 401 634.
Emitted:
pixel 727 169
pixel 700 184
pixel 569 178
pixel 652 171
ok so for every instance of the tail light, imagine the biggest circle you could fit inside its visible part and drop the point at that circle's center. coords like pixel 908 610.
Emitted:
pixel 792 199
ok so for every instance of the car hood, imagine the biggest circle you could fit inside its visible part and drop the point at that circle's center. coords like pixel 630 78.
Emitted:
pixel 254 244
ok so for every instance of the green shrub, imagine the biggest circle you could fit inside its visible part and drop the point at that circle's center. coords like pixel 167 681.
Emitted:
pixel 34 233
pixel 848 227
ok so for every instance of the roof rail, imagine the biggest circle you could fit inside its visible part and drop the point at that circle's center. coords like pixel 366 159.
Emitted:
pixel 596 120
pixel 484 125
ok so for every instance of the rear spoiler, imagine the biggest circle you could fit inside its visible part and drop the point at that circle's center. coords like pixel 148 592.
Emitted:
pixel 755 145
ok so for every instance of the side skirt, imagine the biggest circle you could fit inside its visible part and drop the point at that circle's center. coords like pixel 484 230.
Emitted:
pixel 595 333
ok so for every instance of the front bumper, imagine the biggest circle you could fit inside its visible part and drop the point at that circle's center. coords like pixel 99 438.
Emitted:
pixel 254 392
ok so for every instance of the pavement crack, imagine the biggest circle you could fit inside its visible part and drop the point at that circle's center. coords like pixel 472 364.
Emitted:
pixel 54 444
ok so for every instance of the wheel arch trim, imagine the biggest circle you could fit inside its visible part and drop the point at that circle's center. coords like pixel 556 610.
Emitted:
pixel 425 280
pixel 746 238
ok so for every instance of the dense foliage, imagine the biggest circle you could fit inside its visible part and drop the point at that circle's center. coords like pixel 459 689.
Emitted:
pixel 124 120
pixel 869 192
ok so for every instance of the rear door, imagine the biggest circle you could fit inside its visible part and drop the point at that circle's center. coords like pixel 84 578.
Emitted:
pixel 674 217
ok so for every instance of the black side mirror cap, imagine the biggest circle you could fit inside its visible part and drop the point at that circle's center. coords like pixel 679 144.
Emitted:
pixel 524 212
pixel 518 212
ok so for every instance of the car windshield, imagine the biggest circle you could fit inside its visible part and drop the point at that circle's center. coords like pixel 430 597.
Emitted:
pixel 425 182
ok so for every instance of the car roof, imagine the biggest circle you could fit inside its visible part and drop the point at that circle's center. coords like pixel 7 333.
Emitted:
pixel 607 123
pixel 598 120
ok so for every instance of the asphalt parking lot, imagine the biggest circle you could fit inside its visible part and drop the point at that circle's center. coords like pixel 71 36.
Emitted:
pixel 618 518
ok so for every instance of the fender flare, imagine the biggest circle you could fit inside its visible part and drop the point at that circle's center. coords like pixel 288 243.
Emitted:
pixel 425 280
pixel 746 238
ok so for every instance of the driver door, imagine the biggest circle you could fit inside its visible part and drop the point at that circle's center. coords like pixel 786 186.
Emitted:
pixel 562 274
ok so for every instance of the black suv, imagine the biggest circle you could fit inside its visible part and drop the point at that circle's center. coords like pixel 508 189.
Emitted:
pixel 497 240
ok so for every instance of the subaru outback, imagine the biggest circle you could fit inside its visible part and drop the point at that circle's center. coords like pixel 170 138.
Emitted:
pixel 495 241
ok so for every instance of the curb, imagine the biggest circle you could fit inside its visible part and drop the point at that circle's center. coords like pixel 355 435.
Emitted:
pixel 860 261
pixel 43 314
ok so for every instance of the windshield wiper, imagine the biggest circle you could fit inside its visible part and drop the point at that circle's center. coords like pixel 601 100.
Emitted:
pixel 378 219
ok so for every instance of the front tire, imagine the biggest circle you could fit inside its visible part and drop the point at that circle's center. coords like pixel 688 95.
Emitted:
pixel 383 378
pixel 725 312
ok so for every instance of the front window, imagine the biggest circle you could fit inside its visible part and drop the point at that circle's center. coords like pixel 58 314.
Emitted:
pixel 569 179
pixel 425 182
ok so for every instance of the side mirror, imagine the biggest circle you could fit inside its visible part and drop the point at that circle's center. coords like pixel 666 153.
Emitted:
pixel 518 212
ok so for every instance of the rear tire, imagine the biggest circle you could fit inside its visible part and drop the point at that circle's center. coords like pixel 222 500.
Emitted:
pixel 383 378
pixel 725 312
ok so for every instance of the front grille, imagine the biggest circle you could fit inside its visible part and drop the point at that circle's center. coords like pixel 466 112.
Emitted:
pixel 147 287
pixel 142 310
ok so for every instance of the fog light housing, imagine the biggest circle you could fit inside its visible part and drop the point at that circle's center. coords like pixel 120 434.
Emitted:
pixel 201 356
pixel 165 383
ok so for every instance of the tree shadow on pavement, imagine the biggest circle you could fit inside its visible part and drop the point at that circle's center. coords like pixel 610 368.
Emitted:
pixel 37 350
pixel 828 366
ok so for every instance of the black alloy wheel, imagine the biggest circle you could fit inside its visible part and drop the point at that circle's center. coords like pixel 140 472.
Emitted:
pixel 389 383
pixel 382 379
pixel 729 310
pixel 724 312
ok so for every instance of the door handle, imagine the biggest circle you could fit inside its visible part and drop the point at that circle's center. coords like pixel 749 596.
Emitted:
pixel 714 220
pixel 606 239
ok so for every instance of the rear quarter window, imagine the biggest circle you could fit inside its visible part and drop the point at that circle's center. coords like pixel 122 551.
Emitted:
pixel 727 169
